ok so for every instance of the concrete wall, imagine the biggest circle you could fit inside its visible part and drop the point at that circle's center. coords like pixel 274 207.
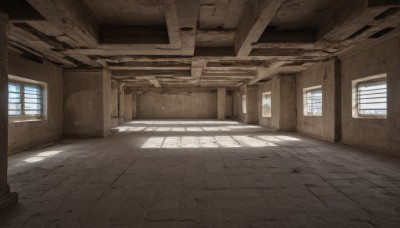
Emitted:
pixel 86 103
pixel 229 105
pixel 378 134
pixel 283 101
pixel 177 104
pixel 114 104
pixel 322 127
pixel 28 134
pixel 134 105
pixel 128 106
pixel 251 116
pixel 263 88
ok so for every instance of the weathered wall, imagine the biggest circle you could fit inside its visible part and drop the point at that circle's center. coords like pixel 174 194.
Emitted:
pixel 283 101
pixel 128 106
pixel 28 134
pixel 177 104
pixel 86 110
pixel 378 134
pixel 114 104
pixel 251 117
pixel 229 105
pixel 134 105
pixel 318 126
pixel 264 88
pixel 287 103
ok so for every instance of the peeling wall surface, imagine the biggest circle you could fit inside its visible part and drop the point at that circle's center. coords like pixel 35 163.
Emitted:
pixel 378 134
pixel 322 127
pixel 83 103
pixel 28 134
pixel 177 105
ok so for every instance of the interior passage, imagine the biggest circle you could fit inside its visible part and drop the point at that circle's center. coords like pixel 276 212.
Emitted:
pixel 203 173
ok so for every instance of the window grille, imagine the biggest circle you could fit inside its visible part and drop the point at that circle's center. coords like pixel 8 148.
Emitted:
pixel 313 102
pixel 24 100
pixel 372 98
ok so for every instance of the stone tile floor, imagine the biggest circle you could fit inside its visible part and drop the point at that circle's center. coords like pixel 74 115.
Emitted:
pixel 203 174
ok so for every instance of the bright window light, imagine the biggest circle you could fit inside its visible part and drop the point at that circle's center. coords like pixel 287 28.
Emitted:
pixel 372 98
pixel 312 99
pixel 266 104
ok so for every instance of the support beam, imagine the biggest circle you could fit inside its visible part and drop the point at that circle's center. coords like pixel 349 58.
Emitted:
pixel 6 198
pixel 171 19
pixel 255 17
pixel 150 73
pixel 71 16
pixel 264 73
pixel 197 69
pixel 187 17
pixel 155 83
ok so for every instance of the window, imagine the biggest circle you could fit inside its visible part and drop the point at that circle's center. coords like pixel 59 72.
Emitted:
pixel 370 97
pixel 266 104
pixel 244 104
pixel 25 100
pixel 313 101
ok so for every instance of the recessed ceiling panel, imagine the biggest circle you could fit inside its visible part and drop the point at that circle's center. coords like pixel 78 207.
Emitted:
pixel 127 12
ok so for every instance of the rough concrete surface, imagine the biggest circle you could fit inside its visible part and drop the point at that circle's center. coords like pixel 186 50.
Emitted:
pixel 318 126
pixel 27 134
pixel 177 105
pixel 84 106
pixel 192 173
pixel 378 134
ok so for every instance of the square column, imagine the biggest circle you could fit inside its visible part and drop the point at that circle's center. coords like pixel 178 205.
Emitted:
pixel 6 198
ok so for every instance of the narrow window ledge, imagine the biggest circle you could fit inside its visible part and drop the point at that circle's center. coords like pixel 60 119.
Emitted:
pixel 25 120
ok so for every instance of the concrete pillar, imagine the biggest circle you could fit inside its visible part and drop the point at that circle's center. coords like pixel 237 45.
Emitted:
pixel 6 198
pixel 221 103
pixel 121 103
pixel 114 103
pixel 88 117
pixel 134 105
pixel 128 106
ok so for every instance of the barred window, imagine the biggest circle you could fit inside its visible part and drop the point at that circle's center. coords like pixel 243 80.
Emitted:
pixel 266 104
pixel 25 100
pixel 313 101
pixel 372 98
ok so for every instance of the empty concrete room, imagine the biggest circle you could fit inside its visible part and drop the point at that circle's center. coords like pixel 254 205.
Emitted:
pixel 200 113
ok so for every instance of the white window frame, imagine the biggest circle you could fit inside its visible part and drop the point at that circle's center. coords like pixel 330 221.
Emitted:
pixel 43 99
pixel 244 104
pixel 355 99
pixel 268 96
pixel 306 91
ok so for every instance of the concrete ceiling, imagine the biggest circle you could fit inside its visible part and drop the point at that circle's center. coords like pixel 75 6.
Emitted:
pixel 206 43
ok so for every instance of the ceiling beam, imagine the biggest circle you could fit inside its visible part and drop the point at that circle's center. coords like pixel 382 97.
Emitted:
pixel 264 73
pixel 71 17
pixel 187 17
pixel 150 65
pixel 155 83
pixel 255 17
pixel 197 69
pixel 150 73
pixel 171 20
